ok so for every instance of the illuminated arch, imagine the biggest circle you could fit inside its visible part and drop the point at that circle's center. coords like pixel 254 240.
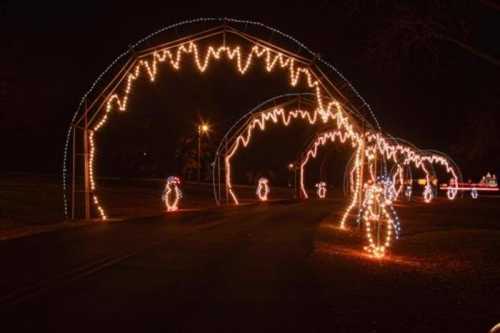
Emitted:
pixel 145 63
pixel 419 159
pixel 311 151
pixel 284 117
pixel 336 102
pixel 276 110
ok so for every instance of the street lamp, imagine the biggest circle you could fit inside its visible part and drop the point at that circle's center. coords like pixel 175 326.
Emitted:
pixel 203 128
pixel 292 172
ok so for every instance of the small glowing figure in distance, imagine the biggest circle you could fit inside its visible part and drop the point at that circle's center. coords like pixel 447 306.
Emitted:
pixel 321 190
pixel 408 192
pixel 428 195
pixel 172 194
pixel 262 189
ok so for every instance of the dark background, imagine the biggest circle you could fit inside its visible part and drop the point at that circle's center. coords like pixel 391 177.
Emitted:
pixel 429 71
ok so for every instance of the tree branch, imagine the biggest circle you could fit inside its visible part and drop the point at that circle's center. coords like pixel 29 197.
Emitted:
pixel 470 49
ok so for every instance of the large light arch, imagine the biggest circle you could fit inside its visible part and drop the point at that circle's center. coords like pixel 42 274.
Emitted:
pixel 336 101
pixel 264 112
pixel 94 113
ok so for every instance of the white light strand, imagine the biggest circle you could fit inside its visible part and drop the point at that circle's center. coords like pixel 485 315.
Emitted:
pixel 321 190
pixel 262 189
pixel 172 194
pixel 428 194
pixel 377 212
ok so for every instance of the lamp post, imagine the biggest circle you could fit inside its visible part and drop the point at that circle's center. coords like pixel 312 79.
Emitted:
pixel 203 128
pixel 292 171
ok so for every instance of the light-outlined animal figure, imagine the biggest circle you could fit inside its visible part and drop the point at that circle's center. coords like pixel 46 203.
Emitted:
pixel 172 193
pixel 321 190
pixel 408 192
pixel 263 189
pixel 428 194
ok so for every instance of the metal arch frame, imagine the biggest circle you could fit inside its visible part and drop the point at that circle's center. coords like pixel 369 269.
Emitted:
pixel 96 106
pixel 228 140
pixel 446 156
pixel 409 167
pixel 131 56
pixel 307 147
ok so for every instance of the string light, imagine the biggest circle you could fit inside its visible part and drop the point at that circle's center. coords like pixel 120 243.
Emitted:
pixel 172 194
pixel 451 193
pixel 428 194
pixel 319 141
pixel 357 192
pixel 408 192
pixel 321 190
pixel 326 110
pixel 398 176
pixel 376 214
pixel 284 117
pixel 410 155
pixel 262 189
pixel 271 58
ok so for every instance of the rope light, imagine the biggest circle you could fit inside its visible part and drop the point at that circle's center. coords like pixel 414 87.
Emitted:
pixel 321 140
pixel 397 177
pixel 172 194
pixel 176 26
pixel 428 194
pixel 377 213
pixel 327 111
pixel 281 116
pixel 263 189
pixel 321 190
pixel 408 192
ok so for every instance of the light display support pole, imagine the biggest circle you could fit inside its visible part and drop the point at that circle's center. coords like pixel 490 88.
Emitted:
pixel 225 167
pixel 199 153
pixel 86 157
pixel 297 190
pixel 361 173
pixel 73 177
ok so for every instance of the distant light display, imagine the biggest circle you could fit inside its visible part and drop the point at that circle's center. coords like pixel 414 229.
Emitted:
pixel 321 190
pixel 262 189
pixel 370 146
pixel 172 194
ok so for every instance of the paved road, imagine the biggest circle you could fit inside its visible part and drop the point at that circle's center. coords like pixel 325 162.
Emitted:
pixel 264 268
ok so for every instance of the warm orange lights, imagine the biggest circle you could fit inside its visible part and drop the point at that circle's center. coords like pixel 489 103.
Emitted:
pixel 203 128
pixel 370 147
pixel 263 189
pixel 377 220
pixel 148 65
pixel 321 190
pixel 172 194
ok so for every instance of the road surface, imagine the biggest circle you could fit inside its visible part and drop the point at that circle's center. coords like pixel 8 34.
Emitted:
pixel 278 267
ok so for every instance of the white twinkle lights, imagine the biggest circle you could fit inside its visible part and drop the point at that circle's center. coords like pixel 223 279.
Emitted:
pixel 262 189
pixel 172 194
pixel 321 190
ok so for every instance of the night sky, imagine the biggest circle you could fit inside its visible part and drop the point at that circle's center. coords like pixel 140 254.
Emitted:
pixel 404 60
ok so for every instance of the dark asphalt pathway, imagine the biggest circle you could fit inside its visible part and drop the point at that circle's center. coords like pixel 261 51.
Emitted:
pixel 253 269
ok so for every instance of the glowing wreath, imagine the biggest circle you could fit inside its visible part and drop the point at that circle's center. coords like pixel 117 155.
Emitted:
pixel 172 194
pixel 262 189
